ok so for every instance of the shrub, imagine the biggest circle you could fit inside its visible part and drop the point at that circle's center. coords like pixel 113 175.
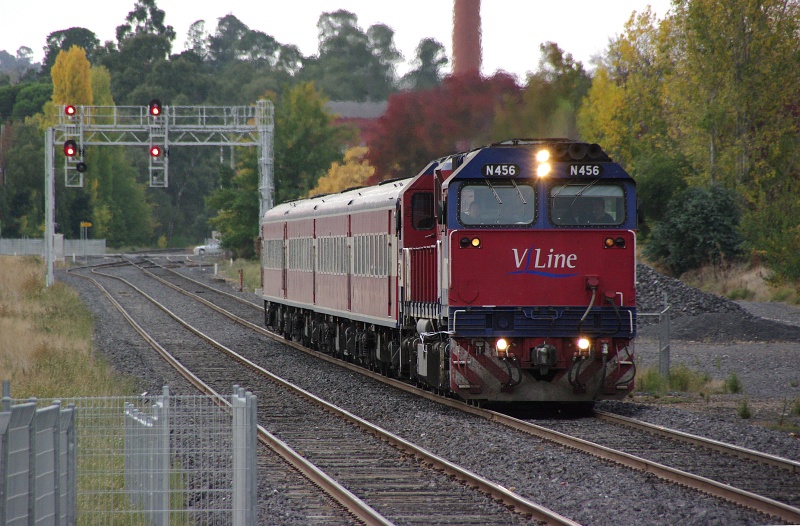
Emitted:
pixel 700 228
pixel 744 410
pixel 733 384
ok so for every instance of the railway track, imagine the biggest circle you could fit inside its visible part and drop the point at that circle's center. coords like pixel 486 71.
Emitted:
pixel 378 477
pixel 765 483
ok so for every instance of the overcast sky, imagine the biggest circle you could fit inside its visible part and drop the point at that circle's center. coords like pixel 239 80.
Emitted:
pixel 511 29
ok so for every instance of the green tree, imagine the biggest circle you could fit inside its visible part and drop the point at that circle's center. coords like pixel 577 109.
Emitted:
pixel 31 99
pixel 427 65
pixel 237 206
pixel 625 111
pixel 145 18
pixel 700 228
pixel 120 211
pixel 306 141
pixel 352 64
pixel 63 40
pixel 550 100
pixel 22 203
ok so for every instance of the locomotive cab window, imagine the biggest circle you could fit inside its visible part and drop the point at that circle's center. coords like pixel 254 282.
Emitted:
pixel 587 204
pixel 422 217
pixel 499 202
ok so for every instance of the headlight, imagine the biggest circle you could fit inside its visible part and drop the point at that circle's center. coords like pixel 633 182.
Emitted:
pixel 584 344
pixel 543 169
pixel 501 346
pixel 542 156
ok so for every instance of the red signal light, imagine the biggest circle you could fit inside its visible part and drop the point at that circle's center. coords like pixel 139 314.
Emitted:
pixel 70 110
pixel 155 151
pixel 70 148
pixel 155 107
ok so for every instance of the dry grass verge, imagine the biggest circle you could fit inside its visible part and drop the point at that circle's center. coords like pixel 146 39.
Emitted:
pixel 45 338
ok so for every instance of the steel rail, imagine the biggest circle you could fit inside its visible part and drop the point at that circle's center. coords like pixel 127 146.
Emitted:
pixel 510 498
pixel 358 508
pixel 708 443
pixel 711 487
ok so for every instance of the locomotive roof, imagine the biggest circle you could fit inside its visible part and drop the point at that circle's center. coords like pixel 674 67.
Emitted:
pixel 384 195
pixel 521 155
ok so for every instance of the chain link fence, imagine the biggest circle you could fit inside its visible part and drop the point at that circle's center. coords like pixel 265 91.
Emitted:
pixel 159 460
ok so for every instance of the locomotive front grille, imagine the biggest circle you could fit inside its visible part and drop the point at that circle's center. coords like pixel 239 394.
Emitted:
pixel 535 322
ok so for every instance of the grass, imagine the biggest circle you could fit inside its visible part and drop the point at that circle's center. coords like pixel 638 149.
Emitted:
pixel 45 338
pixel 681 379
pixel 741 281
pixel 251 273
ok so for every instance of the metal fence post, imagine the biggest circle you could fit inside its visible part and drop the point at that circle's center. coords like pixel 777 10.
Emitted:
pixel 239 443
pixel 5 420
pixel 69 467
pixel 245 436
pixel 664 341
pixel 161 439
pixel 252 464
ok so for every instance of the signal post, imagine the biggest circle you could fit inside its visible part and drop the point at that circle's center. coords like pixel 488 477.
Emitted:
pixel 157 128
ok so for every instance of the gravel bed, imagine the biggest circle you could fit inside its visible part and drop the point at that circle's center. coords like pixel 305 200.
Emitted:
pixel 587 490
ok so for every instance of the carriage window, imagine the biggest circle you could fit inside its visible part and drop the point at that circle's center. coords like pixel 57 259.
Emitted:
pixel 587 204
pixel 422 211
pixel 501 202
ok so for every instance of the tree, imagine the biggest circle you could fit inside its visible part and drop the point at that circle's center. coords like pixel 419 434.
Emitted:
pixel 308 141
pixel 425 125
pixel 63 40
pixel 145 18
pixel 426 73
pixel 700 228
pixel 22 197
pixel 30 100
pixel 71 79
pixel 353 65
pixel 237 206
pixel 626 111
pixel 305 147
pixel 550 100
pixel 119 208
pixel 353 171
pixel 197 39
pixel 224 44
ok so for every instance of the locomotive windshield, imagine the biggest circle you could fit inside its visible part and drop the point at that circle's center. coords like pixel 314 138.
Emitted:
pixel 499 202
pixel 588 204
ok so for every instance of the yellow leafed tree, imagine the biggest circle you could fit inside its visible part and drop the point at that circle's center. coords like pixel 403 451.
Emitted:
pixel 72 81
pixel 353 172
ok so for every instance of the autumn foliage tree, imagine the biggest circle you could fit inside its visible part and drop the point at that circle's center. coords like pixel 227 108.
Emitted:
pixel 424 125
pixel 354 170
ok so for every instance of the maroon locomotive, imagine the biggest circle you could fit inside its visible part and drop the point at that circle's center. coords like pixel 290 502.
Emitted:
pixel 506 273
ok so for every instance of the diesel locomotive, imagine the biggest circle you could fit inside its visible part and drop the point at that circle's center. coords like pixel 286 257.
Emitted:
pixel 502 274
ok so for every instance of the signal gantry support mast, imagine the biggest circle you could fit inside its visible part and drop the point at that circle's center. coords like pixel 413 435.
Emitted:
pixel 159 129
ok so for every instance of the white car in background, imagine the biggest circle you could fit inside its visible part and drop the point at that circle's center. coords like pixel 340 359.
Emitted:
pixel 210 248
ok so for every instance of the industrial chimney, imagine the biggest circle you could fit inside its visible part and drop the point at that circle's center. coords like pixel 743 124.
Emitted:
pixel 466 36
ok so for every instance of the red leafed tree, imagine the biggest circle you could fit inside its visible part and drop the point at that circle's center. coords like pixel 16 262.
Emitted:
pixel 421 126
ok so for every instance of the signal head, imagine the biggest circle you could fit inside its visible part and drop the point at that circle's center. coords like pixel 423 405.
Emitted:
pixel 155 107
pixel 70 148
pixel 155 151
pixel 70 110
